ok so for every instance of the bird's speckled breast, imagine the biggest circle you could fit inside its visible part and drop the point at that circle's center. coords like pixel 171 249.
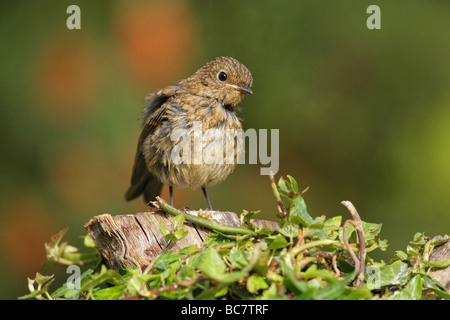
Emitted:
pixel 204 144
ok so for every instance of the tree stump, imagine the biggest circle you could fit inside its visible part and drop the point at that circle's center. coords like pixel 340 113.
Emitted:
pixel 136 239
pixel 441 252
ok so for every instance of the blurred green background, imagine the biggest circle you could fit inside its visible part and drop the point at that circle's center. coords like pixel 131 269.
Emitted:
pixel 364 115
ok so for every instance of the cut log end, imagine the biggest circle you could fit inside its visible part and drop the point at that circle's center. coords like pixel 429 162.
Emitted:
pixel 136 240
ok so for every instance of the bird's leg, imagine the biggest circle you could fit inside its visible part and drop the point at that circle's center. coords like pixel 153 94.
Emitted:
pixel 207 198
pixel 171 195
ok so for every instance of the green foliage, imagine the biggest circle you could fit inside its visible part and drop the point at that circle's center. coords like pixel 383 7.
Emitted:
pixel 305 258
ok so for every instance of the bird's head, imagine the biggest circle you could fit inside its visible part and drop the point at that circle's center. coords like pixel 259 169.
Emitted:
pixel 224 79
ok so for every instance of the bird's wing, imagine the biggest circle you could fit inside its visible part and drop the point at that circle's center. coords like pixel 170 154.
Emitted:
pixel 142 181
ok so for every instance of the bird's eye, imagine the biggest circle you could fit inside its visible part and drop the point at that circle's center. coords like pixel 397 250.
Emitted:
pixel 222 76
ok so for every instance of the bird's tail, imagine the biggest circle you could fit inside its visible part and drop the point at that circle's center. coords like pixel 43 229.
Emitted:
pixel 149 186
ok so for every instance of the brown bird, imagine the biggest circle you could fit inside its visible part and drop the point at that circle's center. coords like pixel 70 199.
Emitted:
pixel 169 147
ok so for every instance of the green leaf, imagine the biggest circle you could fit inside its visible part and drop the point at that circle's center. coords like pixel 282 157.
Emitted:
pixel 436 287
pixel 271 293
pixel 400 255
pixel 439 264
pixel 56 239
pixel 278 242
pixel 91 280
pixel 371 230
pixel 334 290
pixel 412 251
pixel 313 272
pixel 289 230
pixel 261 265
pixel 248 215
pixel 231 277
pixel 221 292
pixel 290 280
pixel 283 186
pixel 111 293
pixel 238 259
pixel 43 283
pixel 88 242
pixel 419 239
pixel 212 265
pixel 317 223
pixel 179 234
pixel 60 292
pixel 177 220
pixel 265 231
pixel 440 240
pixel 382 245
pixel 255 283
pixel 293 183
pixel 298 213
pixel 356 294
pixel 394 274
pixel 329 230
pixel 163 230
pixel 135 284
pixel 412 291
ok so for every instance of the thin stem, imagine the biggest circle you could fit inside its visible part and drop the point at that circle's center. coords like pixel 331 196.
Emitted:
pixel 207 223
pixel 362 241
pixel 347 245
pixel 334 263
pixel 68 262
pixel 319 243
pixel 281 208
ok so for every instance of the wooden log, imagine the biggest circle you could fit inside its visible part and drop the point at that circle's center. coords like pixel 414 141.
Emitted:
pixel 441 252
pixel 136 239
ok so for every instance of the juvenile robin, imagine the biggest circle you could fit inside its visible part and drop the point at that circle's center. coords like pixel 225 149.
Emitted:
pixel 206 101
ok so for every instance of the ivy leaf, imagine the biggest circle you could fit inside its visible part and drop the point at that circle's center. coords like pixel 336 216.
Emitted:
pixel 412 291
pixel 88 242
pixel 43 283
pixel 238 259
pixel 439 264
pixel 289 230
pixel 393 274
pixel 256 282
pixel 283 185
pixel 177 220
pixel 111 293
pixel 329 230
pixel 290 280
pixel 278 243
pixel 400 255
pixel 248 215
pixel 294 185
pixel 334 290
pixel 175 235
pixel 298 213
pixel 90 280
pixel 436 287
pixel 212 265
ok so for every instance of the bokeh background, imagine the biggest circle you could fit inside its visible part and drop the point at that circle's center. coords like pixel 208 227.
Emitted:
pixel 364 115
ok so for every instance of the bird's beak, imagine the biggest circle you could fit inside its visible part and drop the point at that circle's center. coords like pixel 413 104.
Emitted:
pixel 242 89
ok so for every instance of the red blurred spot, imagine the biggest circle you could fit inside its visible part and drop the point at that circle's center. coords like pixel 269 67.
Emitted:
pixel 67 78
pixel 82 175
pixel 158 40
pixel 26 226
